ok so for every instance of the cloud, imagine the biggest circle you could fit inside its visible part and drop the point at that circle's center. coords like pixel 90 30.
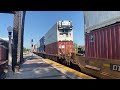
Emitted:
pixel 4 38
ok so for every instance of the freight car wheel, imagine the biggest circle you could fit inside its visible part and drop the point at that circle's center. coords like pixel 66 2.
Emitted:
pixel 56 59
pixel 64 62
pixel 77 68
pixel 74 66
pixel 71 64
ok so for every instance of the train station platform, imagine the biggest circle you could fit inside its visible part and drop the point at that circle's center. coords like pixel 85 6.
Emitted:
pixel 36 67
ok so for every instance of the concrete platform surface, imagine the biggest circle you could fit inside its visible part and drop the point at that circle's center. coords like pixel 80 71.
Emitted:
pixel 36 67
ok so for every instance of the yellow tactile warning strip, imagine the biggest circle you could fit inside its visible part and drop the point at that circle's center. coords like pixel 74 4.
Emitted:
pixel 79 74
pixel 106 65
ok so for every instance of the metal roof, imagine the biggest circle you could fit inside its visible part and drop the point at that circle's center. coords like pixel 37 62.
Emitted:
pixel 10 12
pixel 3 40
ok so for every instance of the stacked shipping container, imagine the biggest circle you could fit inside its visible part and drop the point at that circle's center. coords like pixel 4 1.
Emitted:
pixel 42 44
pixel 61 47
pixel 102 34
pixel 105 43
pixel 102 44
pixel 59 39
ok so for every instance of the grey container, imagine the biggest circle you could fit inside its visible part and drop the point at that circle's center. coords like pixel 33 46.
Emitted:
pixel 97 19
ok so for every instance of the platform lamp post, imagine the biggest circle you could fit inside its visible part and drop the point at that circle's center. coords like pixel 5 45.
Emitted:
pixel 10 29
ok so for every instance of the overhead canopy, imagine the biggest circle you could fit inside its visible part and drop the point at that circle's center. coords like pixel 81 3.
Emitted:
pixel 10 12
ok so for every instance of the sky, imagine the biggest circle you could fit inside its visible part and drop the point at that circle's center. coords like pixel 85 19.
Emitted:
pixel 37 23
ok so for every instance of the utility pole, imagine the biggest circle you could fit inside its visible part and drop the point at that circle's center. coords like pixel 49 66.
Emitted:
pixel 19 41
pixel 37 47
pixel 22 35
pixel 15 39
pixel 32 47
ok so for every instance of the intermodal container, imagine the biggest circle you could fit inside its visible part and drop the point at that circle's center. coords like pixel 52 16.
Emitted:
pixel 97 19
pixel 59 39
pixel 56 34
pixel 61 47
pixel 102 34
pixel 42 41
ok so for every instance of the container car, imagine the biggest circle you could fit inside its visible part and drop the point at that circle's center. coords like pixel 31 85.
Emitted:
pixel 42 44
pixel 102 44
pixel 58 41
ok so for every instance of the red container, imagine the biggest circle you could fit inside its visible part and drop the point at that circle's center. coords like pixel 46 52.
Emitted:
pixel 63 47
pixel 2 53
pixel 104 42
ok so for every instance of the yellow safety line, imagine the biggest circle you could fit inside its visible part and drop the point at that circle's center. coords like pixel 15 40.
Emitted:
pixel 82 75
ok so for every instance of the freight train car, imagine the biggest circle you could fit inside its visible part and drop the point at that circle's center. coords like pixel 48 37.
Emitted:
pixel 102 44
pixel 3 56
pixel 58 41
pixel 42 44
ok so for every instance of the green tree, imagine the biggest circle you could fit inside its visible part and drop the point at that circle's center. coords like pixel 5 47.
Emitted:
pixel 76 47
pixel 25 49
